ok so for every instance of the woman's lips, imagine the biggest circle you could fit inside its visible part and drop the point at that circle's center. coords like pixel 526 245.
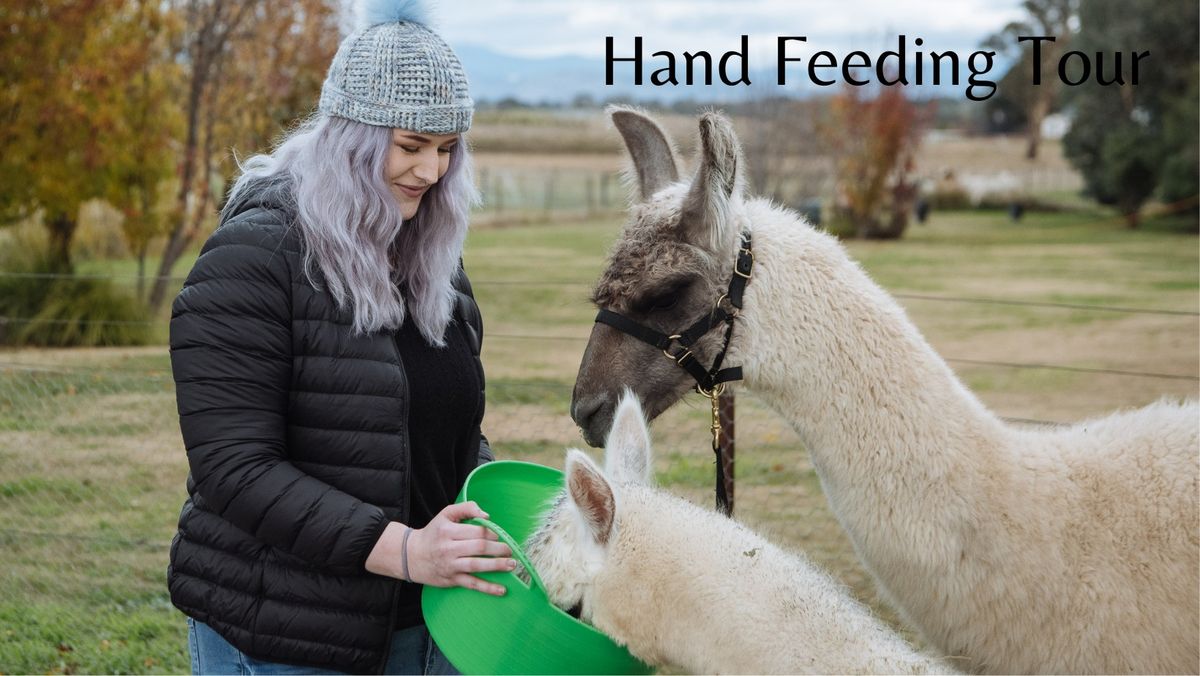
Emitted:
pixel 411 192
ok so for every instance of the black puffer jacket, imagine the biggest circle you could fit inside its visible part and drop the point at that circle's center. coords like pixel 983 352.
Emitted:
pixel 297 441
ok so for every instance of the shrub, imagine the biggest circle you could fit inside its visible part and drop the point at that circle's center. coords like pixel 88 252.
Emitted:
pixel 37 309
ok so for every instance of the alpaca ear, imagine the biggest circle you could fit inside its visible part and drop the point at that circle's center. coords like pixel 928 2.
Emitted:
pixel 649 149
pixel 627 449
pixel 592 495
pixel 704 215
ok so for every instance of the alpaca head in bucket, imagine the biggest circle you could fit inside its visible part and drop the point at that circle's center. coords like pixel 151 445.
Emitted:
pixel 670 266
pixel 573 543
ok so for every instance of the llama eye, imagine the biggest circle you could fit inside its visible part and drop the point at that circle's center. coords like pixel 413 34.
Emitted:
pixel 662 300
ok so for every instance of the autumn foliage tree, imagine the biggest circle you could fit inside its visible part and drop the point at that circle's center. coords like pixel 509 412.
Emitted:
pixel 252 69
pixel 874 142
pixel 149 122
pixel 141 103
pixel 66 135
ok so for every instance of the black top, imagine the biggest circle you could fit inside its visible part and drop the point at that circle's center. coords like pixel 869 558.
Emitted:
pixel 443 440
pixel 298 441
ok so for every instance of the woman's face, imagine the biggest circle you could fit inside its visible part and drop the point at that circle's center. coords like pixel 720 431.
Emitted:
pixel 416 161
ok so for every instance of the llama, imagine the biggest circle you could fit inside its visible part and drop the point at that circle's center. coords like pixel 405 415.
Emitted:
pixel 1062 550
pixel 687 588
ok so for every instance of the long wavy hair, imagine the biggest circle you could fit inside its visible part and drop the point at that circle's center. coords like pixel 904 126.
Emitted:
pixel 333 172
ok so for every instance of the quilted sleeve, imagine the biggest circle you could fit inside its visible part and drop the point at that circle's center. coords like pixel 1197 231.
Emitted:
pixel 231 355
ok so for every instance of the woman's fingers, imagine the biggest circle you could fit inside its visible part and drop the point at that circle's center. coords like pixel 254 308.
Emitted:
pixel 478 556
pixel 463 510
pixel 461 572
pixel 466 531
pixel 472 548
pixel 472 582
pixel 457 550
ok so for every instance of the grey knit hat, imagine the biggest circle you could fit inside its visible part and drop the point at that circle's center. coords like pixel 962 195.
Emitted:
pixel 396 72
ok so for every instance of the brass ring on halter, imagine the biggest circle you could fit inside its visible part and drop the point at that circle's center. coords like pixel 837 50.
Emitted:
pixel 668 354
pixel 717 305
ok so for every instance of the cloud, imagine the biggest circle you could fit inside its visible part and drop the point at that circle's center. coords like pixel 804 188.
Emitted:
pixel 552 28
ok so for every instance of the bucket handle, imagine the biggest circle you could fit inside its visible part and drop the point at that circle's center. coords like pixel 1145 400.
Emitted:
pixel 517 552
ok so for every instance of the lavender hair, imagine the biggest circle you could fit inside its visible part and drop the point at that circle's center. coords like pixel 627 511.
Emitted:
pixel 333 171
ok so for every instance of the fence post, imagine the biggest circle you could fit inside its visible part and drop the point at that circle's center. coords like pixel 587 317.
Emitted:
pixel 549 192
pixel 498 191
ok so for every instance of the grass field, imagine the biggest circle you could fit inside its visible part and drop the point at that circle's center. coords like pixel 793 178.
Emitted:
pixel 92 466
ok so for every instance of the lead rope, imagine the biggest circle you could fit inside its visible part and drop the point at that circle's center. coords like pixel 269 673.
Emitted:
pixel 724 504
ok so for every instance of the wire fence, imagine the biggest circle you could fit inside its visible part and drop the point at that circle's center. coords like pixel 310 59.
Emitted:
pixel 537 192
pixel 92 472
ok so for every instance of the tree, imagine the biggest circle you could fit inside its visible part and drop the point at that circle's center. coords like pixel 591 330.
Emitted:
pixel 1127 138
pixel 251 68
pixel 1181 138
pixel 1049 18
pixel 149 123
pixel 874 143
pixel 784 157
pixel 208 24
pixel 64 138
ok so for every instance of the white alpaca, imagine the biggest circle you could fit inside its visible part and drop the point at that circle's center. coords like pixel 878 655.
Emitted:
pixel 1070 550
pixel 687 588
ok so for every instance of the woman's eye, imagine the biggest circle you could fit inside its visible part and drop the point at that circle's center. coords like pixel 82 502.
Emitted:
pixel 411 150
pixel 446 150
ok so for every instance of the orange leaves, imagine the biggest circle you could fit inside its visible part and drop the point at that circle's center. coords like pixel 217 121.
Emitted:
pixel 66 105
pixel 874 141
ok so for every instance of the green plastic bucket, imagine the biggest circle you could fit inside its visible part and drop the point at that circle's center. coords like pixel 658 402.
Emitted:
pixel 520 632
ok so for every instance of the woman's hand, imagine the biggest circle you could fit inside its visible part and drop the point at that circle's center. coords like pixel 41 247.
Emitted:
pixel 444 553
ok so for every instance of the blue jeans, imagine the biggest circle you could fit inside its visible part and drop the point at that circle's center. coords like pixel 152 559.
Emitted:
pixel 413 652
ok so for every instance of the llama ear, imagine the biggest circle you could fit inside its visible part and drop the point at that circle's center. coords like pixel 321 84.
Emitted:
pixel 591 494
pixel 704 215
pixel 649 149
pixel 627 449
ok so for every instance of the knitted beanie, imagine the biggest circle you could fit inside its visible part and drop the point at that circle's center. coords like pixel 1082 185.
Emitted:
pixel 396 72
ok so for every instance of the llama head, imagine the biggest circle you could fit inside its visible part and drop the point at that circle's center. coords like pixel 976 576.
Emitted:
pixel 573 544
pixel 671 264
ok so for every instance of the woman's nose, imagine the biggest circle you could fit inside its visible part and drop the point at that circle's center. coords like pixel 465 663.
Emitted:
pixel 426 168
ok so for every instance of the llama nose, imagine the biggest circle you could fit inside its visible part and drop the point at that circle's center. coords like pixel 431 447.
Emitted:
pixel 584 411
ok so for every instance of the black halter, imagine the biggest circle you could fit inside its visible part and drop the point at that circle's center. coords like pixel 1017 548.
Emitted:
pixel 710 382
pixel 706 380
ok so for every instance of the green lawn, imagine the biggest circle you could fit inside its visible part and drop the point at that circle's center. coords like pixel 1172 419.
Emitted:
pixel 92 467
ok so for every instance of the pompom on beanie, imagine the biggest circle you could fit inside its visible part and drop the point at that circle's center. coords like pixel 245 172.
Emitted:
pixel 394 71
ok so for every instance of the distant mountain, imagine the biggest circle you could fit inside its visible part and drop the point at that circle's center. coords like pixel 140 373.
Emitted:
pixel 562 79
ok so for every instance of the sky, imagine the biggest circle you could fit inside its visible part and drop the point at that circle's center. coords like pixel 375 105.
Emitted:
pixel 579 27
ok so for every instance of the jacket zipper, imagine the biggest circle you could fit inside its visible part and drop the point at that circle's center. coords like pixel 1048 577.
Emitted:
pixel 407 509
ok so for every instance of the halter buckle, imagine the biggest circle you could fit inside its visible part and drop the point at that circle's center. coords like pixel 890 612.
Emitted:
pixel 737 271
pixel 687 351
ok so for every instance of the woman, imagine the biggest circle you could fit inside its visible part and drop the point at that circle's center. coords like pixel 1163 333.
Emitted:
pixel 325 349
